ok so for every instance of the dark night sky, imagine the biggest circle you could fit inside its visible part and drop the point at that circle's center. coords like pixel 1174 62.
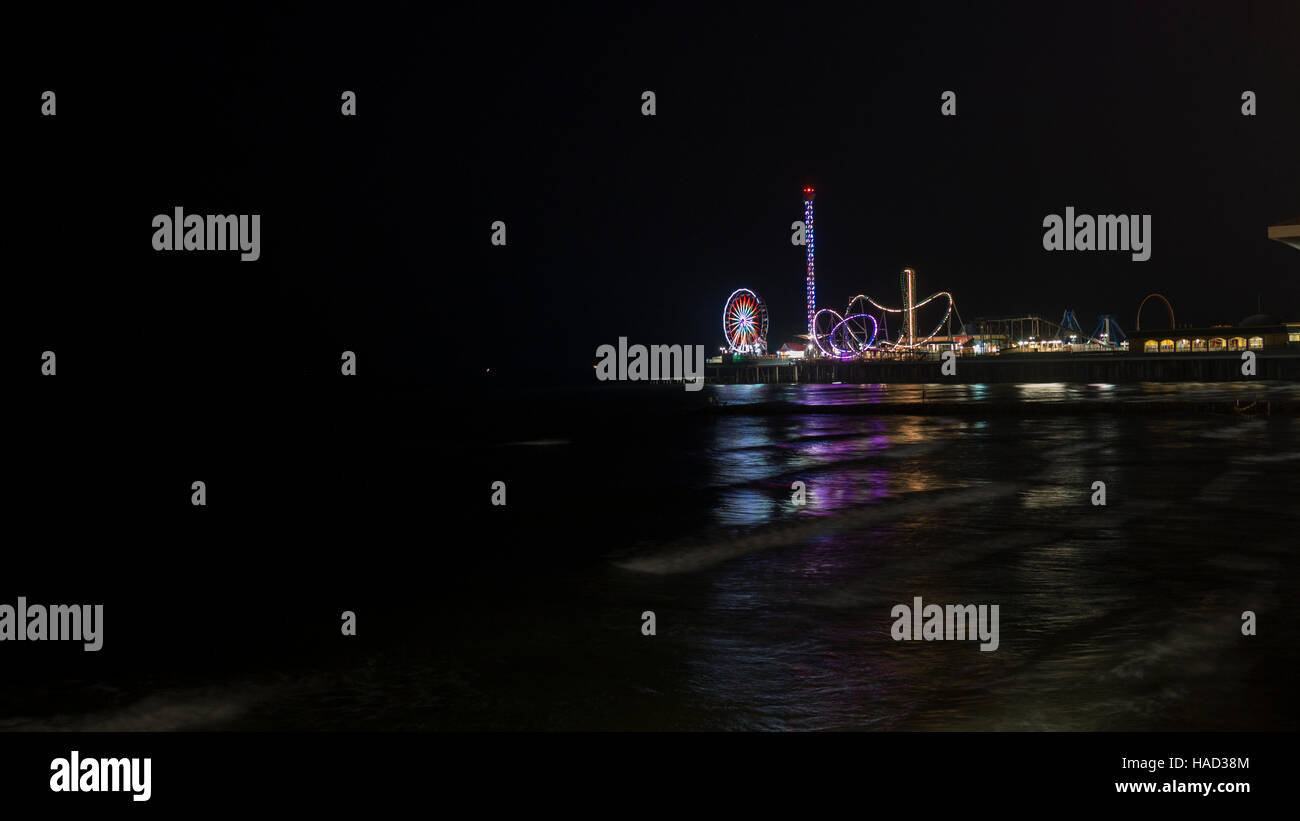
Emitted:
pixel 376 230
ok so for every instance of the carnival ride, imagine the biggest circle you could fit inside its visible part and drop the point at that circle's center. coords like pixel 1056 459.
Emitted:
pixel 862 330
pixel 1137 323
pixel 744 322
pixel 1108 331
pixel 846 336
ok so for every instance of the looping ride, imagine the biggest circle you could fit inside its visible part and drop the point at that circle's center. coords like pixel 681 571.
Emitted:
pixel 844 336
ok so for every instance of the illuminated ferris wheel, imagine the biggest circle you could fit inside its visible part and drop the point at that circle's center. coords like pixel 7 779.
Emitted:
pixel 744 322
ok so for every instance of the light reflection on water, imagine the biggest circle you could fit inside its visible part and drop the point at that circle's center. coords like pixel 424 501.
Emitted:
pixel 776 616
pixel 855 394
pixel 1112 617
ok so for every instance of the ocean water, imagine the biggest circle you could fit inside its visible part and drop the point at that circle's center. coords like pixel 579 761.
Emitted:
pixel 771 615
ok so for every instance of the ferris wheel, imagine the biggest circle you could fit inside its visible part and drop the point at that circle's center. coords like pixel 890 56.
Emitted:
pixel 744 322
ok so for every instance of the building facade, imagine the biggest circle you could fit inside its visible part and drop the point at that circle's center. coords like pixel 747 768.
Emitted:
pixel 1251 334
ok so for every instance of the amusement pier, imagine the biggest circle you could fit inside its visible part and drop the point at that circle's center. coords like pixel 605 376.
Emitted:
pixel 923 340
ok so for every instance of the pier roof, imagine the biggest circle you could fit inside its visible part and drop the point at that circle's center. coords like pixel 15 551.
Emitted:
pixel 1287 231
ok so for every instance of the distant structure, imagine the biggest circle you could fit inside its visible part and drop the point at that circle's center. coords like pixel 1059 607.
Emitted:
pixel 1071 332
pixel 792 350
pixel 810 281
pixel 744 322
pixel 1254 333
pixel 1287 231
pixel 857 332
pixel 1108 331
pixel 907 282
pixel 845 336
pixel 1137 323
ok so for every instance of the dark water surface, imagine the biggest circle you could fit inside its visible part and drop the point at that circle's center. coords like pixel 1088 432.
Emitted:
pixel 772 615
